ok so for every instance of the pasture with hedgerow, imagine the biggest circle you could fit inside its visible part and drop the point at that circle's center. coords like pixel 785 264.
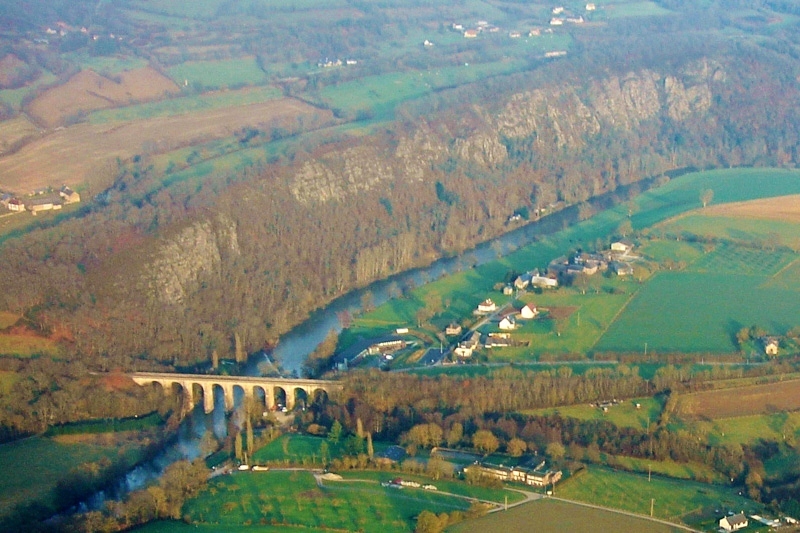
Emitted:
pixel 398 265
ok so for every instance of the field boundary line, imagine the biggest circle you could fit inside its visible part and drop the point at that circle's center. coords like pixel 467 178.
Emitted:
pixel 616 315
pixel 779 272
pixel 628 513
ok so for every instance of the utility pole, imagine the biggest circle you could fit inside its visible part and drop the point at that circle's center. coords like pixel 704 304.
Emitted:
pixel 652 501
pixel 645 349
pixel 506 503
pixel 648 473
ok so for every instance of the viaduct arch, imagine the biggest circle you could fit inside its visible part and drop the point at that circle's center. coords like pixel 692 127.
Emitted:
pixel 249 385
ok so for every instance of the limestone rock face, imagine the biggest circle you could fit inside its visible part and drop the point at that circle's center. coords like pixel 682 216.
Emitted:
pixel 184 259
pixel 551 118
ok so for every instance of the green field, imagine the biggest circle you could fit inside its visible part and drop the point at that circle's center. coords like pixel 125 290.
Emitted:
pixel 377 96
pixel 229 73
pixel 674 499
pixel 32 467
pixel 624 414
pixel 767 233
pixel 454 487
pixel 292 498
pixel 555 516
pixel 295 449
pixel 691 312
pixel 189 104
pixel 633 9
pixel 778 427
pixel 201 9
pixel 27 346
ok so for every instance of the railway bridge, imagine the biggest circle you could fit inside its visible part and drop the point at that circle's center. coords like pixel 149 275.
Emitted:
pixel 273 388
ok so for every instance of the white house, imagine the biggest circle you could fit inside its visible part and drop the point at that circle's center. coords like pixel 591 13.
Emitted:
pixel 529 311
pixel 733 523
pixel 544 281
pixel 590 7
pixel 621 246
pixel 507 323
pixel 555 21
pixel 486 306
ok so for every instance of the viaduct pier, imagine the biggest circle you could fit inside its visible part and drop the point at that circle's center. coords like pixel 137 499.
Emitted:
pixel 291 390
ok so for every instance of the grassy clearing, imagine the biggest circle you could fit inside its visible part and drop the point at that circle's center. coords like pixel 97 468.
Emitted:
pixel 189 104
pixel 778 427
pixel 624 414
pixel 294 499
pixel 634 9
pixel 453 487
pixel 295 449
pixel 199 9
pixel 218 74
pixel 27 346
pixel 32 467
pixel 377 96
pixel 674 499
pixel 555 516
pixel 8 319
pixel 13 97
pixel 693 471
pixel 671 250
pixel 108 65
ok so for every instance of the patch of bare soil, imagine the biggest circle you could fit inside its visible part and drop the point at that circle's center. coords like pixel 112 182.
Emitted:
pixel 742 401
pixel 784 208
pixel 88 91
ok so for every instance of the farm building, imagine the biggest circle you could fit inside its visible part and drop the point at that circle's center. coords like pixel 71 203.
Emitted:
pixel 538 476
pixel 733 523
pixel 69 196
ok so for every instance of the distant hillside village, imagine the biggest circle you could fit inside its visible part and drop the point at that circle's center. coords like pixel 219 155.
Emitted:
pixel 46 199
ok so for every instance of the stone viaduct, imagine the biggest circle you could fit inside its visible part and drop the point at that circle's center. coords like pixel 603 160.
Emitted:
pixel 271 387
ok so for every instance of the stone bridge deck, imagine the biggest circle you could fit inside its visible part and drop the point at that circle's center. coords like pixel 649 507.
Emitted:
pixel 248 384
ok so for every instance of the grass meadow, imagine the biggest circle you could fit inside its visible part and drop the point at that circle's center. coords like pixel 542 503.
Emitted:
pixel 747 230
pixel 293 499
pixel 218 74
pixel 184 105
pixel 674 499
pixel 554 516
pixel 624 414
pixel 27 346
pixel 32 467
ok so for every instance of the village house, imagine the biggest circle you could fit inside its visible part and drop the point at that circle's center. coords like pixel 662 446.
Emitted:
pixel 485 307
pixel 523 281
pixel 733 523
pixel 453 329
pixel 623 247
pixel 529 312
pixel 590 7
pixel 555 21
pixel 465 348
pixel 508 290
pixel 498 340
pixel 69 196
pixel 470 34
pixel 771 345
pixel 535 32
pixel 46 203
pixel 558 10
pixel 515 34
pixel 507 323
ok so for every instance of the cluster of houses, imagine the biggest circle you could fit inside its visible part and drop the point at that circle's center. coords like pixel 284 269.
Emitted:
pixel 536 476
pixel 562 15
pixel 62 29
pixel 735 522
pixel 617 258
pixel 502 339
pixel 40 200
pixel 483 26
pixel 331 63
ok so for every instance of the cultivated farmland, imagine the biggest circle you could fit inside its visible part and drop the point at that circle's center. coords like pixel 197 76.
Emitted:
pixel 554 516
pixel 81 153
pixel 88 91
pixel 756 399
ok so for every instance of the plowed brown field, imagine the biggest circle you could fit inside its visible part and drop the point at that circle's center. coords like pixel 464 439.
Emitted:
pixel 784 208
pixel 742 401
pixel 77 154
pixel 88 91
